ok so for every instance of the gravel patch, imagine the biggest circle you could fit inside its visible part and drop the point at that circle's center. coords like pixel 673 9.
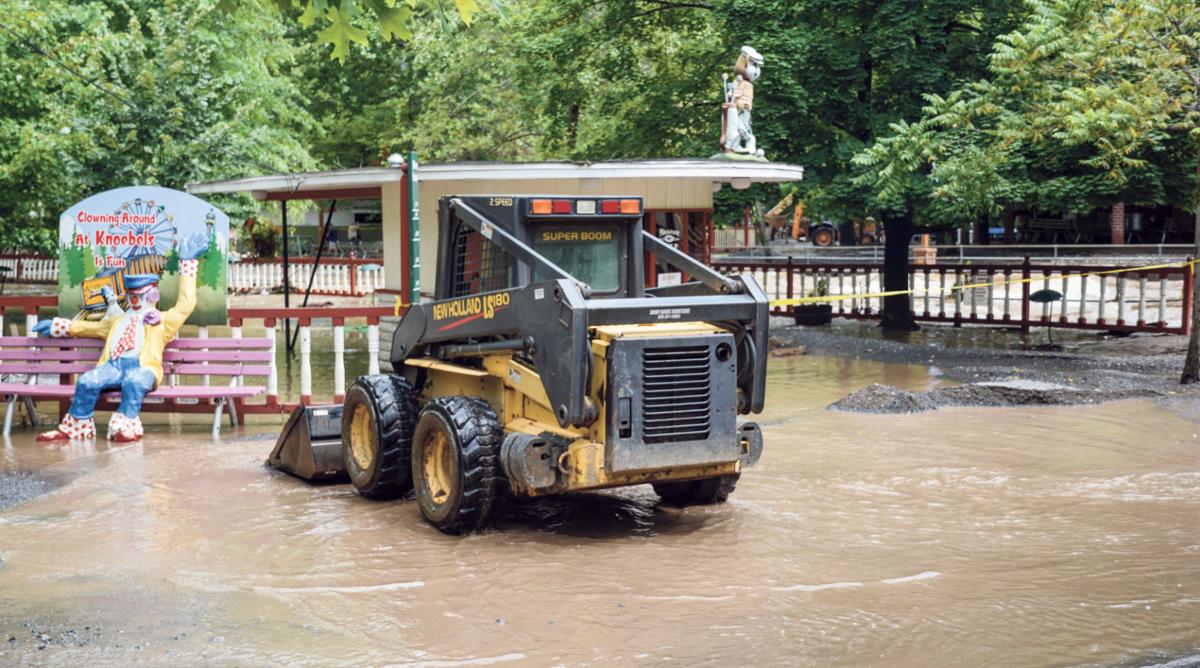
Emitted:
pixel 17 488
pixel 888 399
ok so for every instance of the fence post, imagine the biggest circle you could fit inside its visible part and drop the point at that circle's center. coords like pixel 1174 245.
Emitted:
pixel 791 307
pixel 273 379
pixel 305 361
pixel 373 345
pixel 1025 276
pixel 339 361
pixel 1189 281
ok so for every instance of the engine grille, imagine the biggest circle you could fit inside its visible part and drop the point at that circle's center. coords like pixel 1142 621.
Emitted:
pixel 676 394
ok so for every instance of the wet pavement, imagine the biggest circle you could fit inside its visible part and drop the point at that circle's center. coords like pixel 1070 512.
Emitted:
pixel 1046 536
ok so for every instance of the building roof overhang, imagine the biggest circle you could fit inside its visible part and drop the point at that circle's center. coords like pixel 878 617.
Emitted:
pixel 366 182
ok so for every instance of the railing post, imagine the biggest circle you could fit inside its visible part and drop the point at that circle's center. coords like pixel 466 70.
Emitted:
pixel 1007 278
pixel 273 378
pixel 339 360
pixel 1026 275
pixel 1062 315
pixel 373 345
pixel 1189 279
pixel 1083 282
pixel 791 307
pixel 1100 301
pixel 353 278
pixel 1121 300
pixel 1141 316
pixel 1162 299
pixel 924 297
pixel 305 361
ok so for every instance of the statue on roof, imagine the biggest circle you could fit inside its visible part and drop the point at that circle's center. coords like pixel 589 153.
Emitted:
pixel 737 134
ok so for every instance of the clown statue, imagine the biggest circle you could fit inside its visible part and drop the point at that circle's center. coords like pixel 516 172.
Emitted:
pixel 133 350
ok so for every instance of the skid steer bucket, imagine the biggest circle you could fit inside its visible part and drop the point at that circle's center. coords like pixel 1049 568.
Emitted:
pixel 310 445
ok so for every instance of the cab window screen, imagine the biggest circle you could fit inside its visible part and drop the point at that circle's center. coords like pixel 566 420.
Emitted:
pixel 478 265
pixel 590 253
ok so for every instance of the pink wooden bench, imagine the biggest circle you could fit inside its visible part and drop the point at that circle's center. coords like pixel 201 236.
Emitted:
pixel 63 358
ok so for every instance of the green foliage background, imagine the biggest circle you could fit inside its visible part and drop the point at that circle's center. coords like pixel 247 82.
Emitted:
pixel 102 94
pixel 887 103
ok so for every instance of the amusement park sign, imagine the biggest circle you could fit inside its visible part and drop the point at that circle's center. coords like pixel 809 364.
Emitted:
pixel 136 230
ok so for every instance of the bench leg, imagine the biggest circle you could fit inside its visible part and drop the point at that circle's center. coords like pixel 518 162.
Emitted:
pixel 217 417
pixel 231 406
pixel 32 408
pixel 8 414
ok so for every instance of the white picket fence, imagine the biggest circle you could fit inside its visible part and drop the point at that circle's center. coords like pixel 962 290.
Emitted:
pixel 335 276
pixel 30 269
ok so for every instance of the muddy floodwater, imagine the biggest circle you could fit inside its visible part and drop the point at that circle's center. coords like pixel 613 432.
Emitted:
pixel 973 537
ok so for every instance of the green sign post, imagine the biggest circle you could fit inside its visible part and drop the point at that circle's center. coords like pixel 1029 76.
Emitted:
pixel 414 225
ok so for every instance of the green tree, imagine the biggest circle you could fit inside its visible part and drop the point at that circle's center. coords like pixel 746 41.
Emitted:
pixel 212 265
pixel 75 260
pixel 1106 91
pixel 100 94
pixel 837 73
pixel 342 22
pixel 574 79
pixel 1122 75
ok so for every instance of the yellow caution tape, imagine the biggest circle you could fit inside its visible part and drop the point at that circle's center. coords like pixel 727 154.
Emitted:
pixel 795 301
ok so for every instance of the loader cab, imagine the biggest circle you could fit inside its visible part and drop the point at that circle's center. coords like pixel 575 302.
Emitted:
pixel 597 240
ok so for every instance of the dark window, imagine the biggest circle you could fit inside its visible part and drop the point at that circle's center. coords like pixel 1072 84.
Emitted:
pixel 479 265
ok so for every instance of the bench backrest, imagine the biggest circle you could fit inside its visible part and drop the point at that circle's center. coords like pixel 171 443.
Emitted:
pixel 192 357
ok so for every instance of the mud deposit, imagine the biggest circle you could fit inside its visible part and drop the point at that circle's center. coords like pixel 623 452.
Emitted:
pixel 886 399
pixel 1024 536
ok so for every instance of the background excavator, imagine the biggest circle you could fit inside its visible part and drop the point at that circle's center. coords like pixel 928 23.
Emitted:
pixel 788 215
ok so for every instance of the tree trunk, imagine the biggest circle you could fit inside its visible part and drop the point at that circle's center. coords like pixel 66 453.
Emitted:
pixel 897 309
pixel 1191 364
pixel 982 234
pixel 1010 226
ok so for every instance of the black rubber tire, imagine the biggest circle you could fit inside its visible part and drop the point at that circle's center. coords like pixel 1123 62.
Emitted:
pixel 477 483
pixel 392 404
pixel 705 492
pixel 822 236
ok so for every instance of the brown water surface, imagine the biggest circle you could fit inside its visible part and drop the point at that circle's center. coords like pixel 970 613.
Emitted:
pixel 1047 536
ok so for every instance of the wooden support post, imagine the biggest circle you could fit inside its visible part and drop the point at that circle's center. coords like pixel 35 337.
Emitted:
pixel 1025 278
pixel 305 333
pixel 339 360
pixel 273 378
pixel 373 345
